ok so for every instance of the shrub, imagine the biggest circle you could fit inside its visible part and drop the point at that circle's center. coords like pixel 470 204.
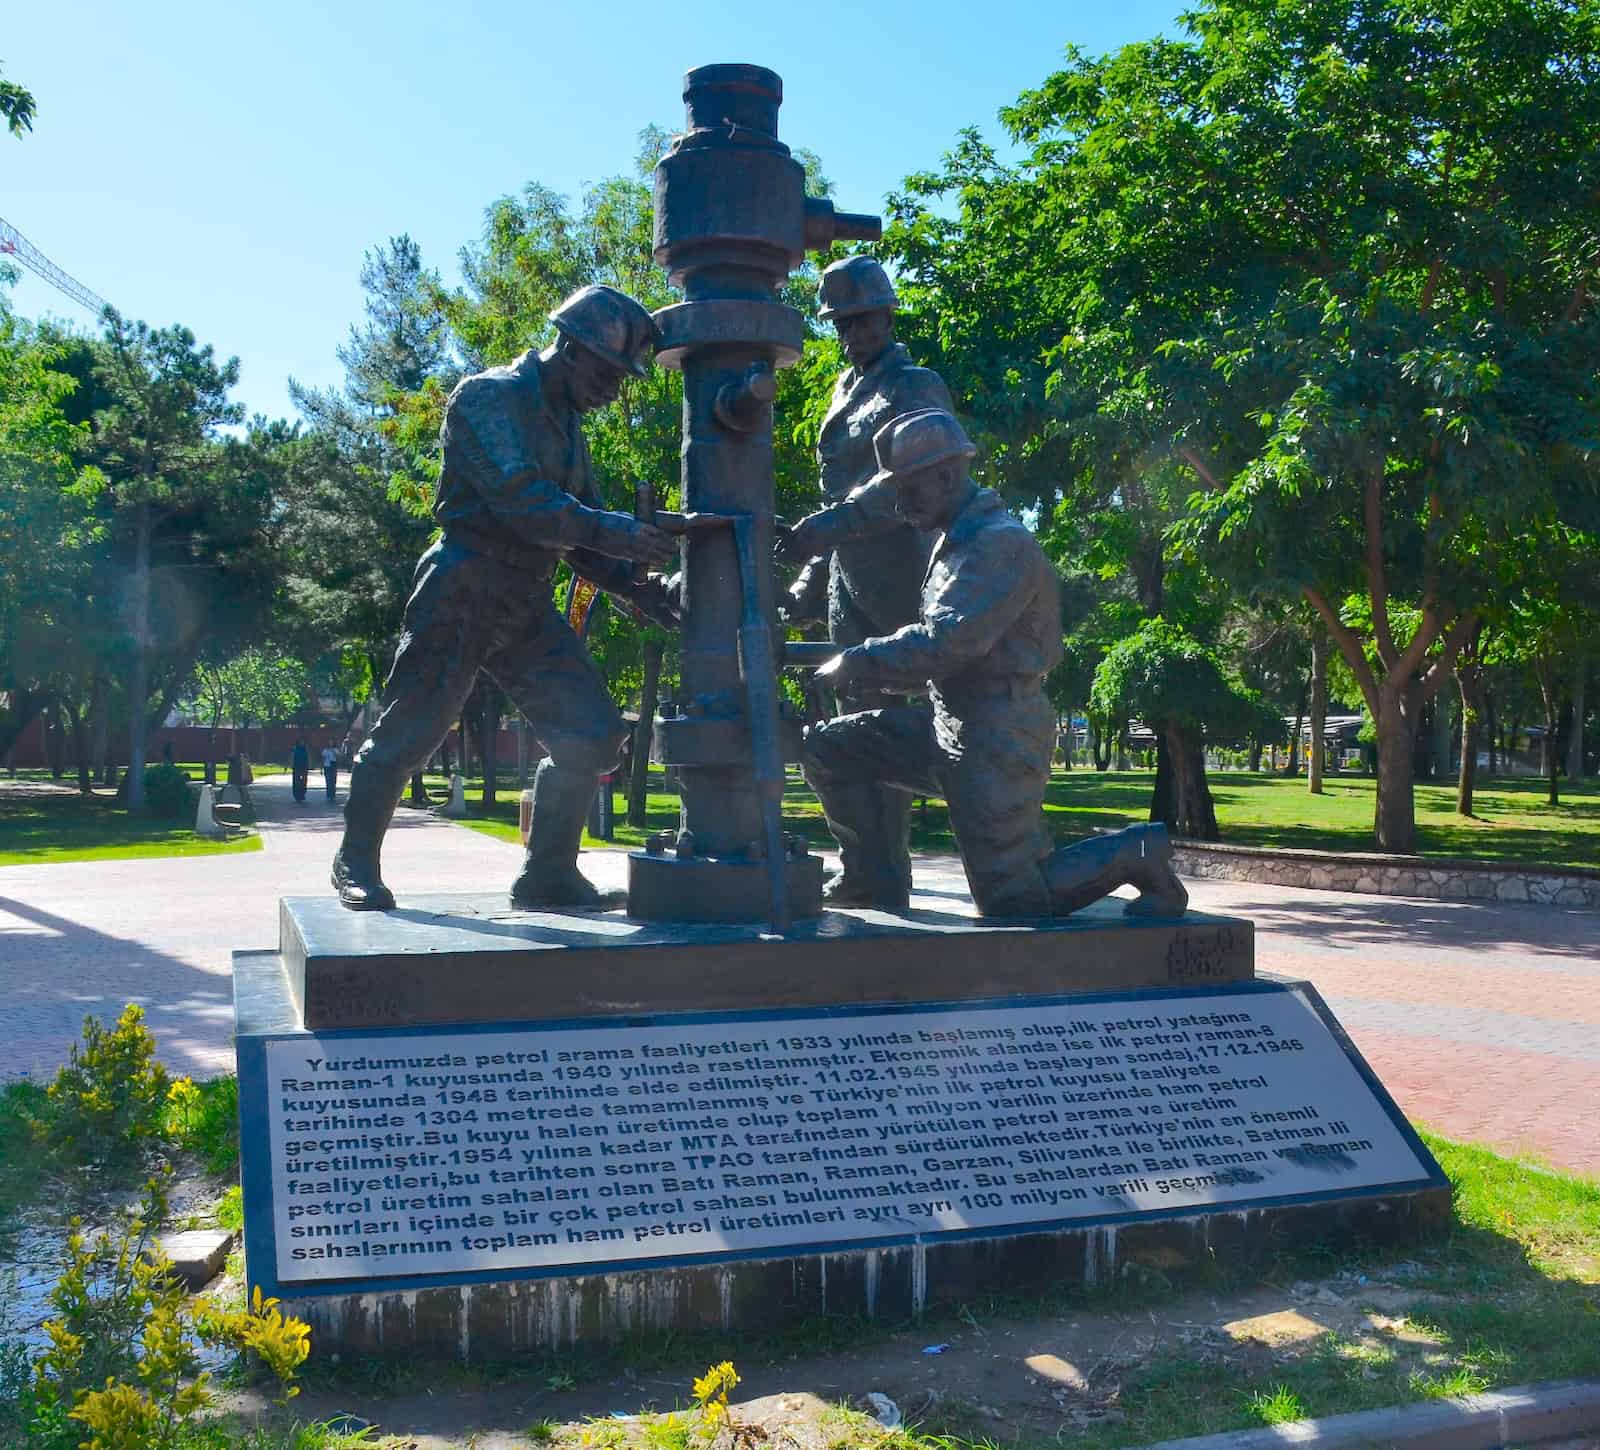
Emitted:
pixel 110 1100
pixel 166 792
pixel 203 1118
pixel 124 1355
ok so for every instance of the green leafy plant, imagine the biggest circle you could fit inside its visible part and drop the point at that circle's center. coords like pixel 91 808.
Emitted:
pixel 1277 1406
pixel 166 792
pixel 203 1118
pixel 123 1362
pixel 109 1101
pixel 230 1209
pixel 711 1392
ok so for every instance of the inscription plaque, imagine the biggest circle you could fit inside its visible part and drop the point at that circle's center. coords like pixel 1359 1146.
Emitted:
pixel 567 1146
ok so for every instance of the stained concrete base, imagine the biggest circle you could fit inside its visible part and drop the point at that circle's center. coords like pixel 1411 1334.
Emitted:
pixel 448 959
pixel 493 1320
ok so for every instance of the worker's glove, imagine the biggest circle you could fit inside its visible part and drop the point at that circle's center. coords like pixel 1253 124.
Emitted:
pixel 806 600
pixel 813 535
pixel 659 599
pixel 621 536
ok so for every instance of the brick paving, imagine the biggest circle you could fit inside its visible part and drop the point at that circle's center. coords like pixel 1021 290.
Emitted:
pixel 1483 1020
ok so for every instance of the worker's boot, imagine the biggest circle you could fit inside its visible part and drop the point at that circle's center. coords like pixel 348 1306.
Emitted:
pixel 1139 856
pixel 550 877
pixel 1161 893
pixel 356 873
pixel 871 825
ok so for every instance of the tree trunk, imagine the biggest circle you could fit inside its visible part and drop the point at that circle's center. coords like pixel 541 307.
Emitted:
pixel 99 725
pixel 1470 680
pixel 56 740
pixel 1319 709
pixel 522 752
pixel 139 678
pixel 1101 745
pixel 649 691
pixel 1395 814
pixel 1492 722
pixel 1575 736
pixel 80 752
pixel 1164 795
pixel 1255 756
pixel 1194 814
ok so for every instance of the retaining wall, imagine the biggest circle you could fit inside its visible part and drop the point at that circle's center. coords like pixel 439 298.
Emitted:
pixel 1439 880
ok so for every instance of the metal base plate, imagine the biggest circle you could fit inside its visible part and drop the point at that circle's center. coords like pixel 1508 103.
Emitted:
pixel 701 888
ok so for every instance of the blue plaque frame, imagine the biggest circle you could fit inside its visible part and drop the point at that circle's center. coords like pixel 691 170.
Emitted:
pixel 256 1177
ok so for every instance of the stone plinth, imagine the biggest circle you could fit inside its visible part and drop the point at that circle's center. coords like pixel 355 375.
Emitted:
pixel 438 960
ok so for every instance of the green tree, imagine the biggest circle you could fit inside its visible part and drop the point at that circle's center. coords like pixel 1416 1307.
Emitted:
pixel 259 686
pixel 45 531
pixel 350 534
pixel 1165 675
pixel 1340 268
pixel 16 107
pixel 154 444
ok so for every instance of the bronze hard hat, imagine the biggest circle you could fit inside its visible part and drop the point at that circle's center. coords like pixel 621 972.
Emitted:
pixel 914 441
pixel 857 284
pixel 610 324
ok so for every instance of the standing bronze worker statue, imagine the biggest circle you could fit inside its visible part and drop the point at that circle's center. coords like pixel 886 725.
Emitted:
pixel 988 630
pixel 866 563
pixel 516 496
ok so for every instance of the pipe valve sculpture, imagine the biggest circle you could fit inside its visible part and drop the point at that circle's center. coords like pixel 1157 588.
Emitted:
pixel 732 220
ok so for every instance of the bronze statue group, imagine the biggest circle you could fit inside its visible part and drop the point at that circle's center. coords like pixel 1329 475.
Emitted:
pixel 943 605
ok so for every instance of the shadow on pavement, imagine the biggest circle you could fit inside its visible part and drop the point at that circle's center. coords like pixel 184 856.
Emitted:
pixel 98 975
pixel 1473 925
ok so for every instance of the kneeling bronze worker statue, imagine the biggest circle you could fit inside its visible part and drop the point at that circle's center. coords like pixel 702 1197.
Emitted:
pixel 990 630
pixel 516 496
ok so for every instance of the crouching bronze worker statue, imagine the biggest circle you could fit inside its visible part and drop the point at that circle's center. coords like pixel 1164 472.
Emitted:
pixel 990 629
pixel 516 496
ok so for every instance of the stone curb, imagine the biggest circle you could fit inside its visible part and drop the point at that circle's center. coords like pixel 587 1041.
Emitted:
pixel 1521 1415
pixel 1438 880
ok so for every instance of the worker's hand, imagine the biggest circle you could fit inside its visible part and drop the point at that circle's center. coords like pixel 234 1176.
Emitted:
pixel 659 598
pixel 622 537
pixel 795 543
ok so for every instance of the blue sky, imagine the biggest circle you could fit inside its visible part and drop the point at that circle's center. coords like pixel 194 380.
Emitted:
pixel 225 166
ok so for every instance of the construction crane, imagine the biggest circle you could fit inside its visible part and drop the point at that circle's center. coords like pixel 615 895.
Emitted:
pixel 14 244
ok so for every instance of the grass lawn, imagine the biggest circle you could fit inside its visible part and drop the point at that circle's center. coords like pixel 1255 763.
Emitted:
pixel 56 826
pixel 1512 824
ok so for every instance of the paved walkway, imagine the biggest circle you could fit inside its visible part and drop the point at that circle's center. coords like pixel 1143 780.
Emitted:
pixel 1483 1020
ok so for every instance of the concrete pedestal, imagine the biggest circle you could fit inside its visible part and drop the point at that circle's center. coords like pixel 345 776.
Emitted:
pixel 451 959
pixel 912 1109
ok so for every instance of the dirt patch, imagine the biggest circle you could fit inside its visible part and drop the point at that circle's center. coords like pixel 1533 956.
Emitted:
pixel 1005 1380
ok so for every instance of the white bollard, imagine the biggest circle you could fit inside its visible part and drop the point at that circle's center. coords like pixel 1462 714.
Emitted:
pixel 205 820
pixel 456 806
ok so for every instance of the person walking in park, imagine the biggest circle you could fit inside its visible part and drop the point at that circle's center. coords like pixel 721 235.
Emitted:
pixel 300 768
pixel 516 496
pixel 867 562
pixel 330 769
pixel 988 631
